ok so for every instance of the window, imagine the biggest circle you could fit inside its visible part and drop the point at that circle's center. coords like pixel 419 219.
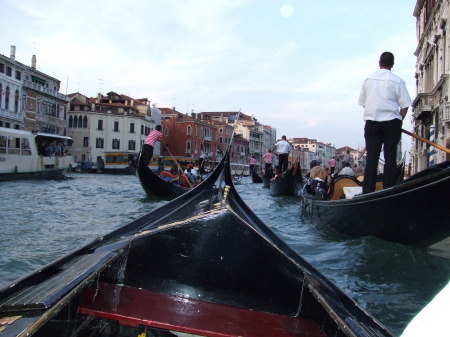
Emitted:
pixel 7 98
pixel 1 95
pixel 220 139
pixel 166 131
pixel 99 143
pixel 116 144
pixel 3 140
pixel 75 121
pixel 18 75
pixel 142 129
pixel 2 68
pixel 80 122
pixel 188 147
pixel 8 71
pixel 100 124
pixel 85 122
pixel 116 127
pixel 188 131
pixel 131 127
pixel 131 145
pixel 16 101
pixel 85 141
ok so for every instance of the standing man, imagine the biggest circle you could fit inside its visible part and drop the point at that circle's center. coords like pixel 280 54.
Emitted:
pixel 332 164
pixel 282 147
pixel 153 137
pixel 252 163
pixel 386 101
pixel 268 159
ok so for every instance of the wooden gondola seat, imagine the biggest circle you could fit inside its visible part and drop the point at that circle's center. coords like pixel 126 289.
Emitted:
pixel 337 189
pixel 138 307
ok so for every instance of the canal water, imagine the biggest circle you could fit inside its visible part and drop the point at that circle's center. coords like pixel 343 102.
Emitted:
pixel 43 220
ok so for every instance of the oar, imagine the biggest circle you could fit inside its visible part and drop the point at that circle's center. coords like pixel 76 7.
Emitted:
pixel 179 167
pixel 440 147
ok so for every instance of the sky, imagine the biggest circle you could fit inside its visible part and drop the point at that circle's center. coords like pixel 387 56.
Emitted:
pixel 295 65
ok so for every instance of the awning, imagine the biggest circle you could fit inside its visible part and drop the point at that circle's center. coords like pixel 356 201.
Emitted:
pixel 38 80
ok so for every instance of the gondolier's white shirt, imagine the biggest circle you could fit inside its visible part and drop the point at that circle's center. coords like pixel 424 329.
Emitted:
pixel 382 95
pixel 282 146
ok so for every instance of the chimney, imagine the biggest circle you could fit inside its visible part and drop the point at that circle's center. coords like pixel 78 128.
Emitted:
pixel 33 62
pixel 13 53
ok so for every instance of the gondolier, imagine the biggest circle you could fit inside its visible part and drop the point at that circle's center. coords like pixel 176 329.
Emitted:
pixel 282 147
pixel 386 101
pixel 153 137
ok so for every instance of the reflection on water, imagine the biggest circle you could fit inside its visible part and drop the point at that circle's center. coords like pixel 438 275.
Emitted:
pixel 43 220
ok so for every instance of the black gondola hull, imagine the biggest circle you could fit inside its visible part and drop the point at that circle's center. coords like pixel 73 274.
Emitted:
pixel 290 183
pixel 154 185
pixel 414 212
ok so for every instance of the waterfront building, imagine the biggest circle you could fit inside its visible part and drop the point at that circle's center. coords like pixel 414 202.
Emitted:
pixel 431 107
pixel 260 137
pixel 29 98
pixel 111 124
pixel 189 135
pixel 323 152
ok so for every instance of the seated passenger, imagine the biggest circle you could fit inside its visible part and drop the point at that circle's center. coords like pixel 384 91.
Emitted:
pixel 316 184
pixel 170 176
pixel 347 170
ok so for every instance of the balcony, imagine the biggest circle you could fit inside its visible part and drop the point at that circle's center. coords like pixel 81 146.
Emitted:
pixel 11 115
pixel 207 138
pixel 44 90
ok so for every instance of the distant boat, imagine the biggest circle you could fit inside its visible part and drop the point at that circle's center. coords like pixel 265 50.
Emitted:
pixel 22 155
pixel 256 178
pixel 288 183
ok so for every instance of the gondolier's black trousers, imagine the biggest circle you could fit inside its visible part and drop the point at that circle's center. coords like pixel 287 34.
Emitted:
pixel 268 170
pixel 283 162
pixel 377 134
pixel 147 153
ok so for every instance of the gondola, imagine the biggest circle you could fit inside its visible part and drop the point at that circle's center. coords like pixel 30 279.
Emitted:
pixel 203 265
pixel 288 183
pixel 413 212
pixel 266 181
pixel 154 185
pixel 256 179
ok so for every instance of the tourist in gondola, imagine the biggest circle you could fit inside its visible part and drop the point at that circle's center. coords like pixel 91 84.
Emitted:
pixel 282 147
pixel 153 137
pixel 189 173
pixel 316 184
pixel 346 170
pixel 201 162
pixel 332 164
pixel 268 160
pixel 386 100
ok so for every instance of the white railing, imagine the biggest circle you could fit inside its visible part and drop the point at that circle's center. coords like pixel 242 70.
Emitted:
pixel 16 116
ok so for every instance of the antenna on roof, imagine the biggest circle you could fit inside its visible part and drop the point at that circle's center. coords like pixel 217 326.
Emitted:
pixel 100 86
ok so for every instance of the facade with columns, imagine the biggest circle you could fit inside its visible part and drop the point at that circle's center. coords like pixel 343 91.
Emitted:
pixel 30 99
pixel 431 107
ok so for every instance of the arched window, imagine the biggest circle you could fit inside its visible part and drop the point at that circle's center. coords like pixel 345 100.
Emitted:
pixel 80 122
pixel 16 101
pixel 70 121
pixel 85 122
pixel 75 121
pixel 188 131
pixel 7 98
pixel 188 148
